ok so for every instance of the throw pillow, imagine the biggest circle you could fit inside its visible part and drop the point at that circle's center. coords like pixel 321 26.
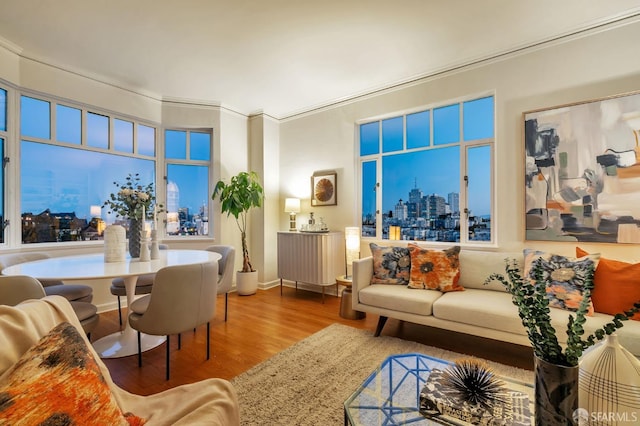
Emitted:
pixel 564 277
pixel 391 265
pixel 435 269
pixel 57 381
pixel 617 285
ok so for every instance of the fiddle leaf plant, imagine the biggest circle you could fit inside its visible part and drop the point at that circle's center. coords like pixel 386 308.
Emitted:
pixel 535 314
pixel 237 198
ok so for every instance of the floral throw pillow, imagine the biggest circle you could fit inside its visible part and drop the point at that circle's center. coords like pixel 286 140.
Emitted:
pixel 564 277
pixel 435 269
pixel 58 382
pixel 391 265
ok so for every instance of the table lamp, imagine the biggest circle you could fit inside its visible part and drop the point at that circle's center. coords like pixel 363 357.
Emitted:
pixel 352 252
pixel 292 206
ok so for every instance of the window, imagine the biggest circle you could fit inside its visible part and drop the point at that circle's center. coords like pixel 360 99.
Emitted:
pixel 427 175
pixel 188 158
pixel 65 178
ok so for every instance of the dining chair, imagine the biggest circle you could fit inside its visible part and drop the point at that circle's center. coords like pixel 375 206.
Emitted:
pixel 71 292
pixel 18 288
pixel 182 299
pixel 144 284
pixel 225 271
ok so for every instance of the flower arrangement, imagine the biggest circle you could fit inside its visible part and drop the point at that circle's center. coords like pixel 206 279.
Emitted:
pixel 132 199
pixel 534 311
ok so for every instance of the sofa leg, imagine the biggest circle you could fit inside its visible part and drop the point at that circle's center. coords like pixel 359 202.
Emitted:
pixel 381 322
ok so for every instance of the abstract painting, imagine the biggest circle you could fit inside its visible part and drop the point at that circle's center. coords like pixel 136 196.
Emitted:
pixel 582 171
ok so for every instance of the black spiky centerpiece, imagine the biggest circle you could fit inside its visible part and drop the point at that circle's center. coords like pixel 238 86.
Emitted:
pixel 472 380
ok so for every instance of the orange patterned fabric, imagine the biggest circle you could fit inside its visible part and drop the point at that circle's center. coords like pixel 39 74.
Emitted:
pixel 435 269
pixel 616 286
pixel 57 381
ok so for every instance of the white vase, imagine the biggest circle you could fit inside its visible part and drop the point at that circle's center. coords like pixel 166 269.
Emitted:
pixel 115 244
pixel 609 383
pixel 246 283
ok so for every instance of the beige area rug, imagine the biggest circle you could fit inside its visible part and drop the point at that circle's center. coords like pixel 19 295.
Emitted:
pixel 308 383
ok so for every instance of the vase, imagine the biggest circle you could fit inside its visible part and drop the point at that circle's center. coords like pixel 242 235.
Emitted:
pixel 610 382
pixel 556 393
pixel 135 227
pixel 114 244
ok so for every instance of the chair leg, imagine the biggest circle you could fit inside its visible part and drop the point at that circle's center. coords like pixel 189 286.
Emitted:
pixel 179 341
pixel 167 375
pixel 139 351
pixel 208 340
pixel 226 305
pixel 119 311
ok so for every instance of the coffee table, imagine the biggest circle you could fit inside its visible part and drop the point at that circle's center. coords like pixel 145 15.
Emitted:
pixel 391 394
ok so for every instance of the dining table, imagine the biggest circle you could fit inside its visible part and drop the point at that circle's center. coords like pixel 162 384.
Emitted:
pixel 93 267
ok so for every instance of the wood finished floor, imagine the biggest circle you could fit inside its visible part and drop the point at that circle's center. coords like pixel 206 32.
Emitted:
pixel 261 325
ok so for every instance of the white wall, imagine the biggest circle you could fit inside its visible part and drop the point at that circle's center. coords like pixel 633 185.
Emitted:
pixel 598 65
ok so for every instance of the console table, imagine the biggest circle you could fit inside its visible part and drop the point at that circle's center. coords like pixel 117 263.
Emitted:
pixel 311 258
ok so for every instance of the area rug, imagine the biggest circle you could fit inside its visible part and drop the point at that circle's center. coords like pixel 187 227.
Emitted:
pixel 308 383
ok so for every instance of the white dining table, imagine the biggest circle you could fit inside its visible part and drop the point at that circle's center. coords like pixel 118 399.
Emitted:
pixel 93 266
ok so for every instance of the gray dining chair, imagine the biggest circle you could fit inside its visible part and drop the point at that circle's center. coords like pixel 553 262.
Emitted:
pixel 225 271
pixel 144 284
pixel 15 289
pixel 71 292
pixel 182 299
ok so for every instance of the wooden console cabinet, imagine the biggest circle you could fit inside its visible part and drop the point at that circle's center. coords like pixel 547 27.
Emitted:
pixel 312 258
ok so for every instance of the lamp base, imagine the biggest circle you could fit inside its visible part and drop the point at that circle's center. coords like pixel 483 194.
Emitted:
pixel 292 222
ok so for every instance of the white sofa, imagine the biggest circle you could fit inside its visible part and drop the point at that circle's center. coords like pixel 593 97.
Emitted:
pixel 480 310
pixel 207 402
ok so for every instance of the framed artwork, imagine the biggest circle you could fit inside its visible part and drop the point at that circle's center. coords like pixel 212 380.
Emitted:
pixel 324 189
pixel 582 171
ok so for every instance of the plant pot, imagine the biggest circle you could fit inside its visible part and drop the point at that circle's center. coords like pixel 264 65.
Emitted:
pixel 556 393
pixel 246 283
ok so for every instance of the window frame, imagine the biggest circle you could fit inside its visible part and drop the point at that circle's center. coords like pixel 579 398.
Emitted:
pixel 464 147
pixel 187 161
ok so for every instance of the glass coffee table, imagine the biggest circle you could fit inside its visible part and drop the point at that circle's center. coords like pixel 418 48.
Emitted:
pixel 391 394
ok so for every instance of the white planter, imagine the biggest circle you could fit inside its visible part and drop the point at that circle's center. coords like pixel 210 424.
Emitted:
pixel 246 283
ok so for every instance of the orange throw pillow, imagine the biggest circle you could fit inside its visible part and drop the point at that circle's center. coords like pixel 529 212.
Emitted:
pixel 435 269
pixel 616 286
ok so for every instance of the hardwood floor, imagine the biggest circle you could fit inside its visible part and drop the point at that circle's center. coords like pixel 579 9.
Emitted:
pixel 264 324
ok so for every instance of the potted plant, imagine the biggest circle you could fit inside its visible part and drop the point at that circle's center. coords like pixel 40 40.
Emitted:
pixel 237 198
pixel 555 368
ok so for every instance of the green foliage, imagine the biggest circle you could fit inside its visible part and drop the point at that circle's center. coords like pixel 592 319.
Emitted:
pixel 535 314
pixel 131 197
pixel 237 197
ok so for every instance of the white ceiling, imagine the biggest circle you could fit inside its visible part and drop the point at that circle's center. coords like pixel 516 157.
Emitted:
pixel 283 57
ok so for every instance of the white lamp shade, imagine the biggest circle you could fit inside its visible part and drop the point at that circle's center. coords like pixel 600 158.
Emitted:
pixel 292 205
pixel 96 211
pixel 352 236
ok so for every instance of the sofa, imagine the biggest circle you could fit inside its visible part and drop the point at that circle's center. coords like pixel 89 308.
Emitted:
pixel 49 373
pixel 478 309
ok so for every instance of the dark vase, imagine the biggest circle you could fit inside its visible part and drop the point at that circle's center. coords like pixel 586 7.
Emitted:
pixel 135 226
pixel 556 393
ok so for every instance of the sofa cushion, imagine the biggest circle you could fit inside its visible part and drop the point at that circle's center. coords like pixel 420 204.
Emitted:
pixel 616 285
pixel 435 269
pixel 477 266
pixel 398 298
pixel 564 277
pixel 391 264
pixel 57 381
pixel 482 308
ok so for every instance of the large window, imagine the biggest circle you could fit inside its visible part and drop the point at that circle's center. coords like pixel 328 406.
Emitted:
pixel 66 173
pixel 187 156
pixel 427 175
